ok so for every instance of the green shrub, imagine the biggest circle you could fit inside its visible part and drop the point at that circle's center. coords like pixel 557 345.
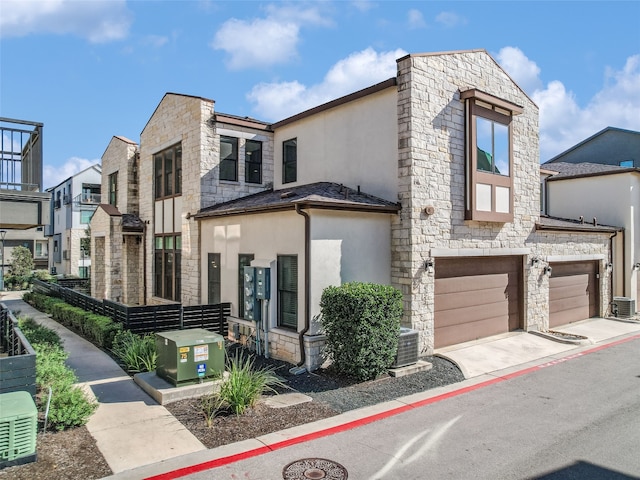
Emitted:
pixel 137 353
pixel 37 334
pixel 100 329
pixel 212 405
pixel 69 408
pixel 41 302
pixel 362 323
pixel 245 384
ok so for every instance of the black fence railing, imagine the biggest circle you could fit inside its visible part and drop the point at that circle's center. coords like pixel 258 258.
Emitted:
pixel 145 318
pixel 18 359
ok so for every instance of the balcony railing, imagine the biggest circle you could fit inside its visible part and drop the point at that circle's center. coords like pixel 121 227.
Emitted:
pixel 20 155
pixel 88 198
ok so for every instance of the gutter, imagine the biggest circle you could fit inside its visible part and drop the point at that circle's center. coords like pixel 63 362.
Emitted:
pixel 307 293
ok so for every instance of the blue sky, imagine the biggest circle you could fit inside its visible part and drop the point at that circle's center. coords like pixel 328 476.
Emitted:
pixel 92 69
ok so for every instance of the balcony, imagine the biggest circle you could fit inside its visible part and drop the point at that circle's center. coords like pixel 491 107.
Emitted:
pixel 23 201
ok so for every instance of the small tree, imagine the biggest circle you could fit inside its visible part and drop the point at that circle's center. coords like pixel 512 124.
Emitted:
pixel 21 262
pixel 85 242
pixel 362 323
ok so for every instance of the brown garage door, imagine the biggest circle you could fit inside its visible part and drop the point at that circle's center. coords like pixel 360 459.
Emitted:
pixel 476 297
pixel 573 289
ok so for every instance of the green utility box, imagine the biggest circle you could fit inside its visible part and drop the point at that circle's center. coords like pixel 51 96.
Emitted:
pixel 189 356
pixel 18 426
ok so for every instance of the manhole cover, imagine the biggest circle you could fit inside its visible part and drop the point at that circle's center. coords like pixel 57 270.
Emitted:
pixel 314 468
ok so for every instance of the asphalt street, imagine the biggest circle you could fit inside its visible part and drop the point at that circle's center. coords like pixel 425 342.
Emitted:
pixel 578 417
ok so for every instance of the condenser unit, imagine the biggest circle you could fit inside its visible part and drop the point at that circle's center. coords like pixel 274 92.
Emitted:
pixel 624 307
pixel 407 348
pixel 18 424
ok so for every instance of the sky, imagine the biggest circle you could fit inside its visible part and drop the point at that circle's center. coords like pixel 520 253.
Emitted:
pixel 92 69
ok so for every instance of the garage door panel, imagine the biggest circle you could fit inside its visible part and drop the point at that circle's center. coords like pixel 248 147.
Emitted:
pixel 570 303
pixel 474 330
pixel 476 297
pixel 471 283
pixel 471 314
pixel 450 301
pixel 575 281
pixel 570 291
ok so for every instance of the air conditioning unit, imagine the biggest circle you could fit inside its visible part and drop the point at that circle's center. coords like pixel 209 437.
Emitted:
pixel 18 424
pixel 407 348
pixel 624 307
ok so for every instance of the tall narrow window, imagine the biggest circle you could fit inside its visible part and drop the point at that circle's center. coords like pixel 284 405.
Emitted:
pixel 288 291
pixel 289 161
pixel 167 267
pixel 167 172
pixel 229 158
pixel 244 260
pixel 489 163
pixel 113 189
pixel 253 162
pixel 215 288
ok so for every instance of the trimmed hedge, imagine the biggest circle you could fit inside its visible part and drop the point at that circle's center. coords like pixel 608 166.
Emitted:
pixel 362 324
pixel 98 329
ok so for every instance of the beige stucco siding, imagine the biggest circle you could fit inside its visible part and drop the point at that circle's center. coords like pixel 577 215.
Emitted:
pixel 612 200
pixel 348 247
pixel 354 144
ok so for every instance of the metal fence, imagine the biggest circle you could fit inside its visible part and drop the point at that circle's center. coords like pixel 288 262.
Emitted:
pixel 18 360
pixel 145 318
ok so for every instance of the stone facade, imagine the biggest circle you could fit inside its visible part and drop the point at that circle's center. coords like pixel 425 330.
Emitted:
pixel 191 122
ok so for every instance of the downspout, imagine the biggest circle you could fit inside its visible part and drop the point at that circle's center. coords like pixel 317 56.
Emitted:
pixel 144 263
pixel 307 293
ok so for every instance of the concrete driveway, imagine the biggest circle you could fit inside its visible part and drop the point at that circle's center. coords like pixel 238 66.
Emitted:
pixel 517 348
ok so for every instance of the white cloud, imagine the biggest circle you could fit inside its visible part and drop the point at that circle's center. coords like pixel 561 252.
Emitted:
pixel 525 72
pixel 563 122
pixel 450 19
pixel 98 21
pixel 276 101
pixel 416 19
pixel 363 5
pixel 53 175
pixel 263 42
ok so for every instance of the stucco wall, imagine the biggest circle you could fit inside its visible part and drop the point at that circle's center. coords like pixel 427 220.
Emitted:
pixel 613 200
pixel 354 144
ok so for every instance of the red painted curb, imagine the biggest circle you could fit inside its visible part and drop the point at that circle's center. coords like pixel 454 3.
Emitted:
pixel 372 418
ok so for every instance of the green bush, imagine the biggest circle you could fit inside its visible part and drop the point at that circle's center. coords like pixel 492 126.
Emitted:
pixel 37 334
pixel 137 353
pixel 245 384
pixel 41 302
pixel 69 407
pixel 362 324
pixel 100 329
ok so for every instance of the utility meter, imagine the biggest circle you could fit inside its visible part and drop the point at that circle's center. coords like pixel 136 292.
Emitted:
pixel 263 284
pixel 251 302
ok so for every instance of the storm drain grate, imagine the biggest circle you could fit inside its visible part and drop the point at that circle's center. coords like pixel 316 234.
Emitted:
pixel 314 468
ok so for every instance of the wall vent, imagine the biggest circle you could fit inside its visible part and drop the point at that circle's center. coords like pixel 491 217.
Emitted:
pixel 624 307
pixel 407 348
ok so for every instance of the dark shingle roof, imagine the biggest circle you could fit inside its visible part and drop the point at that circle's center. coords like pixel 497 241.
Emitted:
pixel 132 223
pixel 585 169
pixel 566 224
pixel 325 195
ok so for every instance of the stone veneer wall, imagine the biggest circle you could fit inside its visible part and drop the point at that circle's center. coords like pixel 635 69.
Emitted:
pixel 106 278
pixel 121 157
pixel 190 120
pixel 431 172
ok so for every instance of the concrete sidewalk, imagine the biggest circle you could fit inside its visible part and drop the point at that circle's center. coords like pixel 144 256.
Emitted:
pixel 131 430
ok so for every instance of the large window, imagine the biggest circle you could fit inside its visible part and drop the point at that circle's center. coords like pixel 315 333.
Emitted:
pixel 289 160
pixel 244 260
pixel 167 267
pixel 288 291
pixel 85 216
pixel 167 167
pixel 113 189
pixel 229 158
pixel 253 161
pixel 489 163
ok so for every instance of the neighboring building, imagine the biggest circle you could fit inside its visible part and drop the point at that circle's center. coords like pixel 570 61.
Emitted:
pixel 427 181
pixel 610 146
pixel 73 202
pixel 31 238
pixel 598 180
